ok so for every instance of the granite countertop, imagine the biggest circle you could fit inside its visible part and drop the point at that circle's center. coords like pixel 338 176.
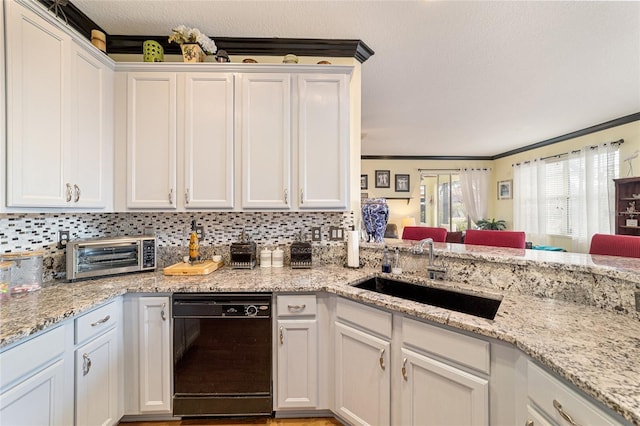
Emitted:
pixel 597 350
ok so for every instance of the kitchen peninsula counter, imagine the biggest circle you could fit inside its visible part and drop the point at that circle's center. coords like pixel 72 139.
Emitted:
pixel 595 349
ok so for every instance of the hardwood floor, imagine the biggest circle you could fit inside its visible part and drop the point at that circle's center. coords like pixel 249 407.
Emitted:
pixel 324 421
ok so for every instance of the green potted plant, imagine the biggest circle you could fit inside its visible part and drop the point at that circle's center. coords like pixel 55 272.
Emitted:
pixel 498 225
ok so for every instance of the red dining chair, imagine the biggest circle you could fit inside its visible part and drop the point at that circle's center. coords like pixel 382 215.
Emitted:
pixel 417 233
pixel 615 245
pixel 488 237
pixel 455 237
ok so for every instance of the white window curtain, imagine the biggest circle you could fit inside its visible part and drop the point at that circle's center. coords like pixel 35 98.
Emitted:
pixel 475 192
pixel 529 200
pixel 591 207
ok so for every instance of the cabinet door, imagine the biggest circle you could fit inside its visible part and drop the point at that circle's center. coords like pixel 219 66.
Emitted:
pixel 37 110
pixel 97 381
pixel 151 140
pixel 297 363
pixel 323 141
pixel 37 400
pixel 208 140
pixel 266 140
pixel 434 393
pixel 89 152
pixel 154 351
pixel 362 377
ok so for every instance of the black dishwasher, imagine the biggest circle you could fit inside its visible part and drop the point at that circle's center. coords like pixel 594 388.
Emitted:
pixel 222 354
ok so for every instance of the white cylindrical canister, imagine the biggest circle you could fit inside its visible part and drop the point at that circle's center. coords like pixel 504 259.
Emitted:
pixel 265 258
pixel 277 258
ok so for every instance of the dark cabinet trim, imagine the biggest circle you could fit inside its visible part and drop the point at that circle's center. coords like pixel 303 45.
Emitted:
pixel 253 46
pixel 233 45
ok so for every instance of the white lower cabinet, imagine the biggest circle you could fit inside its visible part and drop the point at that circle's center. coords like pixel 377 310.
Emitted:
pixel 97 381
pixel 362 364
pixel 98 365
pixel 392 369
pixel 148 354
pixel 444 376
pixel 435 393
pixel 551 402
pixel 297 352
pixel 34 375
pixel 363 385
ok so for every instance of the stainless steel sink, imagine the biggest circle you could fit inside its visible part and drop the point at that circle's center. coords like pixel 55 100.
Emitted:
pixel 472 304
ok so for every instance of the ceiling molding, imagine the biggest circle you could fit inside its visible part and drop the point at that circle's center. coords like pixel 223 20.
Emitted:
pixel 423 157
pixel 586 131
pixel 253 46
pixel 338 48
pixel 75 18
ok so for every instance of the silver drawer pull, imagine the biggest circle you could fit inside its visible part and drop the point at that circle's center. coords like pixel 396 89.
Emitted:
pixel 101 321
pixel 563 413
pixel 162 313
pixel 404 369
pixel 281 336
pixel 77 192
pixel 86 364
pixel 69 192
pixel 297 308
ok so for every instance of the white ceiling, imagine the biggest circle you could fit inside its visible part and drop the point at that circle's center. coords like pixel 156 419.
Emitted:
pixel 447 78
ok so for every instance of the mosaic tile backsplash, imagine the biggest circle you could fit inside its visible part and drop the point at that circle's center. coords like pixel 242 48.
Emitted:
pixel 25 232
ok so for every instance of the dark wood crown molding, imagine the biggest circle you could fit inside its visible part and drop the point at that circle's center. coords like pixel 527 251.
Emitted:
pixel 253 46
pixel 76 19
pixel 233 45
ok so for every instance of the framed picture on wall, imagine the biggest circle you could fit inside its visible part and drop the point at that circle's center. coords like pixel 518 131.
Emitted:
pixel 364 181
pixel 402 183
pixel 383 179
pixel 505 191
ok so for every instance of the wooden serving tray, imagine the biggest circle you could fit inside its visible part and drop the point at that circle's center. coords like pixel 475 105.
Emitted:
pixel 200 268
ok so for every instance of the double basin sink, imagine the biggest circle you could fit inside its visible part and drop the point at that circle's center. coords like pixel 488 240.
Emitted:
pixel 484 307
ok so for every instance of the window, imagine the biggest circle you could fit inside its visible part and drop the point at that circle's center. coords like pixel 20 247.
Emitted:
pixel 556 193
pixel 567 195
pixel 441 202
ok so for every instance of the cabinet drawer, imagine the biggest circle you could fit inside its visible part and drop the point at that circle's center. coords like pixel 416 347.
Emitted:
pixel 31 355
pixel 462 349
pixel 366 317
pixel 96 322
pixel 543 389
pixel 296 305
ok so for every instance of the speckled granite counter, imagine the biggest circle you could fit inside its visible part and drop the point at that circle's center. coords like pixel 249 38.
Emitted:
pixel 596 349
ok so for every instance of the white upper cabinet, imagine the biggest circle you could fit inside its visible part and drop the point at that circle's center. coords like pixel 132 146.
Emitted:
pixel 323 141
pixel 37 109
pixel 151 140
pixel 208 140
pixel 265 112
pixel 91 147
pixel 59 116
pixel 180 140
pixel 232 137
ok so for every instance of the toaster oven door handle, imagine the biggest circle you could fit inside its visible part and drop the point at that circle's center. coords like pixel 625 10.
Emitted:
pixel 99 245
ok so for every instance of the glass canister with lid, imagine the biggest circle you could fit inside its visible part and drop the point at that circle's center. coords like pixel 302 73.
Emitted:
pixel 26 272
pixel 5 279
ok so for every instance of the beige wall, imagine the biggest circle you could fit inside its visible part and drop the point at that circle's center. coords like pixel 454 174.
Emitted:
pixel 501 170
pixel 401 208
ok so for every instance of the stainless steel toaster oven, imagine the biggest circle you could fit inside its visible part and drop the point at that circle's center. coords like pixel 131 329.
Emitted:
pixel 110 255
